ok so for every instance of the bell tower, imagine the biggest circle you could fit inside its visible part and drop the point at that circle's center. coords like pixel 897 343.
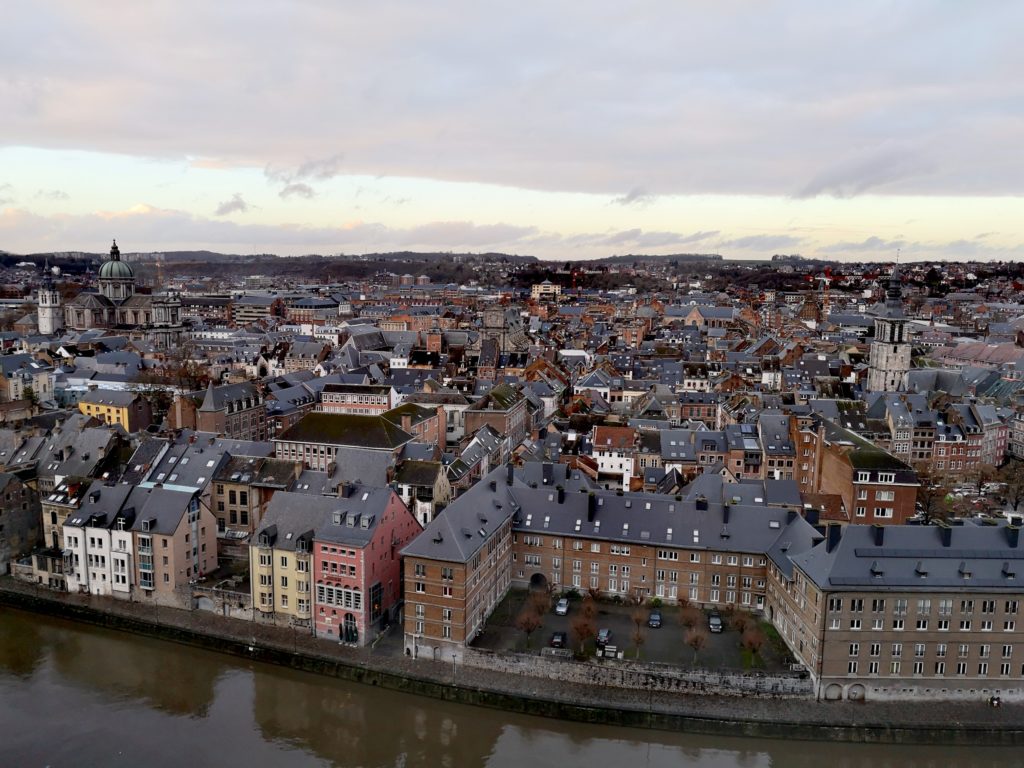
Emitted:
pixel 890 350
pixel 50 312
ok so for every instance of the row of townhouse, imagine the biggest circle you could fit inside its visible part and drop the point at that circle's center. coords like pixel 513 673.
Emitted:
pixel 331 564
pixel 148 544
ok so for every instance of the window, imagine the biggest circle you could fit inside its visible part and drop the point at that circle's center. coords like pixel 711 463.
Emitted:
pixel 885 496
pixel 854 649
pixel 421 570
pixel 887 477
pixel 695 557
pixel 446 591
pixel 894 668
pixel 851 668
pixel 863 477
pixel 421 587
pixel 875 649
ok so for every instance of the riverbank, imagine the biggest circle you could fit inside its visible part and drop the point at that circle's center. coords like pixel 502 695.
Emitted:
pixel 960 723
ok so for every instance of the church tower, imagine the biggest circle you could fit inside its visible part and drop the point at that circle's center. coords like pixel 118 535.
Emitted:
pixel 890 350
pixel 49 312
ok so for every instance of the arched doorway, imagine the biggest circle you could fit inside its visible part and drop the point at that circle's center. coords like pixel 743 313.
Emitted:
pixel 203 603
pixel 538 583
pixel 349 631
pixel 833 692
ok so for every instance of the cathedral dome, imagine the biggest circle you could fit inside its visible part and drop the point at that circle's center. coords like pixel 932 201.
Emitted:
pixel 114 268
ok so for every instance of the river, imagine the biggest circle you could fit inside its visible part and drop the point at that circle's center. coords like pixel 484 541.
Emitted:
pixel 75 695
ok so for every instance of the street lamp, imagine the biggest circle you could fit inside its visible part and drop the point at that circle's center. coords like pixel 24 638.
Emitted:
pixel 453 668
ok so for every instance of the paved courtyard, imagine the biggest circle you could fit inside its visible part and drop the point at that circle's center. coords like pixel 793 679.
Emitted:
pixel 667 645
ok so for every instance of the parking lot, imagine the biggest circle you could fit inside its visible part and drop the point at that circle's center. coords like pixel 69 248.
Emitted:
pixel 666 645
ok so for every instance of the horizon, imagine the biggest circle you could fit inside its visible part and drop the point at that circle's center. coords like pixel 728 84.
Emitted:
pixel 837 134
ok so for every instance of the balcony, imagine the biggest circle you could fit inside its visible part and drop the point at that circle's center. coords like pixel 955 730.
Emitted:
pixel 146 567
pixel 145 549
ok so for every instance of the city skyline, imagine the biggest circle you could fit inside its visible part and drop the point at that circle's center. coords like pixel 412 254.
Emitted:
pixel 735 129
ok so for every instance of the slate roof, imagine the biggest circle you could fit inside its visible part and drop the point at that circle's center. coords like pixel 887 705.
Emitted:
pixel 346 429
pixel 918 558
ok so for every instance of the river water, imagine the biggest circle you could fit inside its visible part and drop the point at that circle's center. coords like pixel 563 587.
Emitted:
pixel 74 695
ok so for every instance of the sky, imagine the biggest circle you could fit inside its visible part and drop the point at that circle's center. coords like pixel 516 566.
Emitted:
pixel 565 130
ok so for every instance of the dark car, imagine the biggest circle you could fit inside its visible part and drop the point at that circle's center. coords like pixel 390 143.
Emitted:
pixel 604 636
pixel 559 640
pixel 654 620
pixel 715 623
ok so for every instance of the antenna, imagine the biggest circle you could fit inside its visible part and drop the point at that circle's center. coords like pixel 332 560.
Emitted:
pixel 897 255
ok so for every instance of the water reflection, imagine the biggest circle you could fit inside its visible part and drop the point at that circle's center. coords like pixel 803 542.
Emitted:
pixel 123 700
pixel 20 648
pixel 362 725
pixel 171 678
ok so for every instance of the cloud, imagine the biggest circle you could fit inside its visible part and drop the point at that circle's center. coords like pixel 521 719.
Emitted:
pixel 145 227
pixel 297 190
pixel 414 92
pixel 235 205
pixel 763 242
pixel 292 180
pixel 53 194
pixel 636 196
pixel 871 244
pixel 857 174
pixel 6 195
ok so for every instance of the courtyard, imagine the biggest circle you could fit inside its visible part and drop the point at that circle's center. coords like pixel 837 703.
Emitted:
pixel 726 651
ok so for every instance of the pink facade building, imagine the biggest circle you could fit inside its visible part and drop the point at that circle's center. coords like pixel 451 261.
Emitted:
pixel 356 562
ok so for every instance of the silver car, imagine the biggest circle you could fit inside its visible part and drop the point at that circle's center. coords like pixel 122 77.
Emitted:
pixel 562 606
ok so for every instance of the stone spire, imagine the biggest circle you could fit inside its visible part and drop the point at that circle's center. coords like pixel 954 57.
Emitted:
pixel 209 402
pixel 115 252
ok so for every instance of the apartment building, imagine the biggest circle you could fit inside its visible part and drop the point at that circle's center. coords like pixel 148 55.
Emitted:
pixel 905 612
pixel 244 485
pixel 128 410
pixel 175 541
pixel 236 411
pixel 875 486
pixel 331 563
pixel 638 546
pixel 363 399
pixel 458 569
pixel 614 450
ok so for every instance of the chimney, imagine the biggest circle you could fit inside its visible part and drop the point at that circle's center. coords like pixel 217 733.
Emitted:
pixel 725 514
pixel 811 515
pixel 702 503
pixel 591 507
pixel 833 533
pixel 879 534
pixel 343 490
pixel 509 473
pixel 561 495
pixel 407 423
pixel 1012 536
pixel 946 535
pixel 791 516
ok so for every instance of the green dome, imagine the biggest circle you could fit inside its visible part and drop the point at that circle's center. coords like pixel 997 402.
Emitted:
pixel 116 270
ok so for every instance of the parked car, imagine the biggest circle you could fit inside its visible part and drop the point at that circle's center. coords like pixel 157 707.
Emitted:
pixel 654 620
pixel 604 636
pixel 562 607
pixel 715 623
pixel 559 640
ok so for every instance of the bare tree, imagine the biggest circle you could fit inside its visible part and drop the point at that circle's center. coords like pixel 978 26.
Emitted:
pixel 589 608
pixel 933 493
pixel 583 629
pixel 696 638
pixel 639 638
pixel 1012 473
pixel 690 616
pixel 529 622
pixel 741 621
pixel 753 639
pixel 540 602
